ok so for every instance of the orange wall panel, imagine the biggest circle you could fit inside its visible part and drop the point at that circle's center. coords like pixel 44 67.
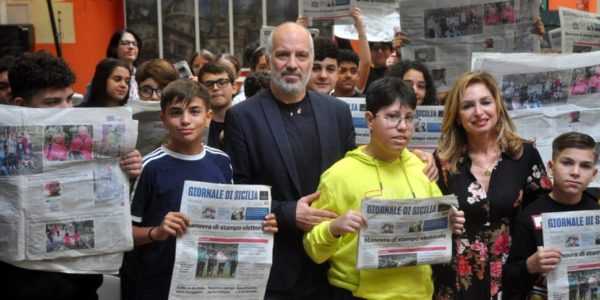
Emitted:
pixel 95 21
pixel 555 4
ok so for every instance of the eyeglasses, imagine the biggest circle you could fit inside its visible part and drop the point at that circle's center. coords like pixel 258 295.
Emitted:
pixel 147 91
pixel 127 43
pixel 221 83
pixel 394 120
pixel 380 47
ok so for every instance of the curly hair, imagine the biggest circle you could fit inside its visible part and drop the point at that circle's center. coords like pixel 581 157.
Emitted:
pixel 34 71
pixel 401 68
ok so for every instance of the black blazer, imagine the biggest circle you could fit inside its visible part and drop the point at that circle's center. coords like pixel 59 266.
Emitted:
pixel 257 143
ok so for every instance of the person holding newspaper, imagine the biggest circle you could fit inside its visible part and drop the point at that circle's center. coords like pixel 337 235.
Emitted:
pixel 573 165
pixel 41 80
pixel 493 172
pixel 387 169
pixel 156 194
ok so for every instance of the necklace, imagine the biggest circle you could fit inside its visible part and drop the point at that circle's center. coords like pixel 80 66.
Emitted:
pixel 293 109
pixel 487 171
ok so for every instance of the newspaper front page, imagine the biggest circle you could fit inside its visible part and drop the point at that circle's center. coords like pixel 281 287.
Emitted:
pixel 547 94
pixel 62 192
pixel 444 33
pixel 405 232
pixel 326 9
pixel 580 30
pixel 265 32
pixel 224 254
pixel 577 235
pixel 427 127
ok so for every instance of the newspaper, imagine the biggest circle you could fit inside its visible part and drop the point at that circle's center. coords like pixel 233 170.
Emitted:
pixel 265 32
pixel 405 232
pixel 532 80
pixel 444 33
pixel 427 128
pixel 577 235
pixel 151 131
pixel 555 38
pixel 380 18
pixel 62 192
pixel 224 254
pixel 326 9
pixel 580 30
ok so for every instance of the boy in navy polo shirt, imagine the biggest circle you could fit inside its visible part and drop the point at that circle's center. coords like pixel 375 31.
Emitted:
pixel 573 166
pixel 156 194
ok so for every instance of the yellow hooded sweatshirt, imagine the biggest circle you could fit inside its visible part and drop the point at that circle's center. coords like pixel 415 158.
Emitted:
pixel 343 187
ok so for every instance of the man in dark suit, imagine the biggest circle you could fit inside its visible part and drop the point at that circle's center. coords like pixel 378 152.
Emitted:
pixel 286 137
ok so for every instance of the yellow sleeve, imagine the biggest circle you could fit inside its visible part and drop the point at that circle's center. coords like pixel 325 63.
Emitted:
pixel 318 242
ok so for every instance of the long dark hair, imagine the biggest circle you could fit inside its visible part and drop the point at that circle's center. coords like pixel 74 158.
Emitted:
pixel 113 44
pixel 98 94
pixel 399 69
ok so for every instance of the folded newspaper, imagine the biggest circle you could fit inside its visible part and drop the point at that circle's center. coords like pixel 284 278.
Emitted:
pixel 405 232
pixel 62 192
pixel 224 254
pixel 577 235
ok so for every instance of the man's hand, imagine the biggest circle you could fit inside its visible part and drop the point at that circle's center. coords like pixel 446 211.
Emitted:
pixel 307 217
pixel 543 260
pixel 349 222
pixel 131 163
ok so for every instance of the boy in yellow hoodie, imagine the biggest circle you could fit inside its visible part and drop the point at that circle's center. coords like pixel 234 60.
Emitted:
pixel 384 168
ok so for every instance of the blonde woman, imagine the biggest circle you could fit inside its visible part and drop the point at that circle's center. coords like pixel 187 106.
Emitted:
pixel 493 172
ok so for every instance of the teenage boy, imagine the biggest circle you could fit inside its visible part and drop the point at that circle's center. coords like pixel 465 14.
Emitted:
pixel 218 79
pixel 347 75
pixel 156 195
pixel 41 80
pixel 573 166
pixel 324 73
pixel 383 168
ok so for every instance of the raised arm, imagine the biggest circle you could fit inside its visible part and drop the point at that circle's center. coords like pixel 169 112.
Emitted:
pixel 365 53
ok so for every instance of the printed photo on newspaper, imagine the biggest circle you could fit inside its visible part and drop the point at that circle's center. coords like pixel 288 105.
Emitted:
pixel 577 235
pixel 445 32
pixel 427 128
pixel 405 233
pixel 225 254
pixel 63 194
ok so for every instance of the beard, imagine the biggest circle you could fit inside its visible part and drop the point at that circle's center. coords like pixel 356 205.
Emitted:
pixel 287 87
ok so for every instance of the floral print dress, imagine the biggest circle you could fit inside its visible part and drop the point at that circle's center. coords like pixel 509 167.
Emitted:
pixel 475 271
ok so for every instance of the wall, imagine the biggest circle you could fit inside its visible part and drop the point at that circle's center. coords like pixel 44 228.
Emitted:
pixel 94 23
pixel 554 4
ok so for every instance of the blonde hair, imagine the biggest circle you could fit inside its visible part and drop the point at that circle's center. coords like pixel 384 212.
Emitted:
pixel 454 141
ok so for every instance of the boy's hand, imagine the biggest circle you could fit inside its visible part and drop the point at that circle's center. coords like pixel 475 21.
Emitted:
pixel 307 217
pixel 270 224
pixel 543 260
pixel 457 220
pixel 538 27
pixel 399 40
pixel 174 223
pixel 349 222
pixel 358 22
pixel 430 170
pixel 302 21
pixel 131 163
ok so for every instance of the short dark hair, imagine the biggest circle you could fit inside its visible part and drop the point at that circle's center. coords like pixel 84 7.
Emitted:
pixel 399 69
pixel 255 82
pixel 256 55
pixel 6 62
pixel 207 55
pixel 113 44
pixel 249 51
pixel 183 90
pixel 232 59
pixel 385 91
pixel 98 96
pixel 216 68
pixel 325 48
pixel 574 140
pixel 347 55
pixel 34 71
pixel 158 69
